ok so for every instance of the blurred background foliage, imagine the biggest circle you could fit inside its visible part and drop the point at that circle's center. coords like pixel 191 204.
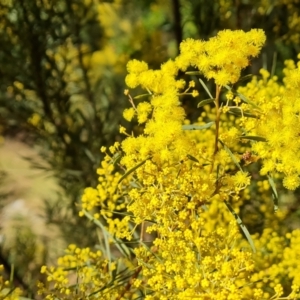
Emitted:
pixel 62 69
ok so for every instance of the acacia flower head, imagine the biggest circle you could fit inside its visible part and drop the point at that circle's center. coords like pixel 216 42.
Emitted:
pixel 222 57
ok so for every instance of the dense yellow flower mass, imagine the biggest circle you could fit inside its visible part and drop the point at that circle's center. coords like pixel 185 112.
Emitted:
pixel 175 189
pixel 278 122
pixel 222 57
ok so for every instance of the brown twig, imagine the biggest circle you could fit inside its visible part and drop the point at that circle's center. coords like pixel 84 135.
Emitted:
pixel 130 282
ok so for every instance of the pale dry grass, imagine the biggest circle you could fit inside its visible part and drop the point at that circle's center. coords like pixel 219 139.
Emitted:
pixel 22 210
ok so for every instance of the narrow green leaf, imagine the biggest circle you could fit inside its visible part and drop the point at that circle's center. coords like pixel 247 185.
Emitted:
pixel 206 88
pixel 141 96
pixel 193 73
pixel 205 208
pixel 106 243
pixel 242 225
pixel 192 158
pixel 246 77
pixel 73 172
pixel 119 278
pixel 10 291
pixel 253 138
pixel 229 88
pixel 135 185
pixel 116 158
pixel 178 173
pixel 274 192
pixel 273 69
pixel 244 98
pixel 218 170
pixel 132 170
pixel 232 156
pixel 250 283
pixel 204 102
pixel 89 155
pixel 264 61
pixel 237 112
pixel 197 127
pixel 12 272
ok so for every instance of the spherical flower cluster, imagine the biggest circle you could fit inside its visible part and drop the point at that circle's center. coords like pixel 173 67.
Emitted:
pixel 222 57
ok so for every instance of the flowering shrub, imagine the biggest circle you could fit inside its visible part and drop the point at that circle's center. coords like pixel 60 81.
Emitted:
pixel 167 201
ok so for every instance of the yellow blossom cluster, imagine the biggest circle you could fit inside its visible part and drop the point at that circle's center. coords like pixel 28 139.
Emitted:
pixel 104 195
pixel 278 109
pixel 80 274
pixel 176 189
pixel 276 263
pixel 188 265
pixel 222 57
pixel 173 176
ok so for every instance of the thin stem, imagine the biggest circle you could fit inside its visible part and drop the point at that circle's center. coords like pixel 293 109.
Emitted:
pixel 217 103
pixel 217 121
pixel 131 102
pixel 130 283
